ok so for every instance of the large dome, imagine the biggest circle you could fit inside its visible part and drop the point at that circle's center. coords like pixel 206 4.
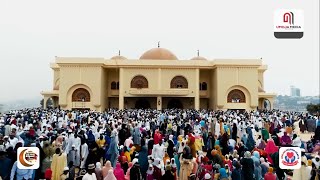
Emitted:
pixel 159 54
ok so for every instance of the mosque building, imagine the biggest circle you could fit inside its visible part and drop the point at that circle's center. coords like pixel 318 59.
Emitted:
pixel 158 80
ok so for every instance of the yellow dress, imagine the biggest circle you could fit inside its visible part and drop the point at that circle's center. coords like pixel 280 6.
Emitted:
pixel 198 144
pixel 186 168
pixel 59 162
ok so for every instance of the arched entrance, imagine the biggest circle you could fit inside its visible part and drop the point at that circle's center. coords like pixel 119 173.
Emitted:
pixel 175 103
pixel 142 104
pixel 266 104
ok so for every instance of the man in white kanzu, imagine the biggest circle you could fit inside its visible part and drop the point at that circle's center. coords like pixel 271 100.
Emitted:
pixel 158 151
pixel 90 175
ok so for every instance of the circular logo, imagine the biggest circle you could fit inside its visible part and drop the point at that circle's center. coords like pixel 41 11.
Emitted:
pixel 28 158
pixel 290 157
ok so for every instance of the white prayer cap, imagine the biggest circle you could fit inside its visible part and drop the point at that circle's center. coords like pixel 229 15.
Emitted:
pixel 65 169
pixel 73 145
pixel 207 176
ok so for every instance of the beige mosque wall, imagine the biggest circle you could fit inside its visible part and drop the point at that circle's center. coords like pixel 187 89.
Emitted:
pixel 76 76
pixel 111 75
pixel 243 78
pixel 213 100
pixel 129 73
pixel 104 89
pixel 159 66
pixel 190 74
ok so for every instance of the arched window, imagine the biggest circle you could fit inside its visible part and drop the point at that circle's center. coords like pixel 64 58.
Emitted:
pixel 204 86
pixel 139 82
pixel 81 95
pixel 179 82
pixel 113 85
pixel 118 85
pixel 200 87
pixel 236 96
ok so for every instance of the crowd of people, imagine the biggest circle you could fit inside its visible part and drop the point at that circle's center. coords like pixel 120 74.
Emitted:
pixel 147 144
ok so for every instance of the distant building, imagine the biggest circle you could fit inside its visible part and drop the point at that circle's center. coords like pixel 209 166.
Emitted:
pixel 294 91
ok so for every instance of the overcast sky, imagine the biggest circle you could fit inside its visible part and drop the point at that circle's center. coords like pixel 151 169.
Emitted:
pixel 32 33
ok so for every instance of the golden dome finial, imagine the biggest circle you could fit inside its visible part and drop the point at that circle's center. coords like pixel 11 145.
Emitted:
pixel 119 53
pixel 198 53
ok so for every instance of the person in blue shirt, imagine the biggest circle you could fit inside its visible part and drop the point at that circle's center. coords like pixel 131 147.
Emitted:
pixel 5 165
pixel 20 174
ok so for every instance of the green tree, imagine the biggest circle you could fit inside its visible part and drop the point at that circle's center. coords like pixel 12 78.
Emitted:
pixel 49 102
pixel 313 108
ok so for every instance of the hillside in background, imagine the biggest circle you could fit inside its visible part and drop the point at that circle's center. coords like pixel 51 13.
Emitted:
pixel 19 104
pixel 290 103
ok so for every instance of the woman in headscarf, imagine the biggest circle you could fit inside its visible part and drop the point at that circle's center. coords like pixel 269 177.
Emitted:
pixel 143 160
pixel 265 134
pixel 216 147
pixel 174 168
pixel 264 166
pixel 285 139
pixel 244 138
pixel 224 144
pixel 216 158
pixel 113 149
pixel 118 172
pixel 255 156
pixel 223 174
pixel 270 149
pixel 127 176
pixel 98 171
pixel 150 173
pixel 210 142
pixel 257 170
pixel 177 162
pixel 247 166
pixel 106 169
pixel 250 142
pixel 186 163
pixel 91 137
pixel 234 131
pixel 236 173
pixel 157 173
pixel 110 176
